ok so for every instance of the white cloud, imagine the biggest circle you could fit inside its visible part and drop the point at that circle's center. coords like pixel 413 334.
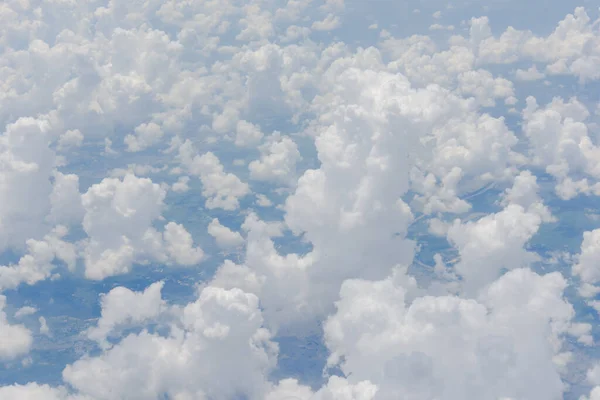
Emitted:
pixel 594 394
pixel 263 201
pixel 26 310
pixel 38 262
pixel 145 136
pixel 225 237
pixel 140 307
pixel 65 200
pixel 279 156
pixel 221 189
pixel 571 49
pixel 118 221
pixel 484 87
pixel 15 340
pixel 496 242
pixel 593 377
pixel 118 218
pixel 34 391
pixel 216 348
pixel 418 349
pixel 26 166
pixel 587 267
pixel 530 74
pixel 247 134
pixel 137 170
pixel 374 128
pixel 180 245
pixel 69 139
pixel 336 389
pixel 330 23
pixel 439 27
pixel 400 121
pixel 108 150
pixel 181 186
pixel 44 329
pixel 560 142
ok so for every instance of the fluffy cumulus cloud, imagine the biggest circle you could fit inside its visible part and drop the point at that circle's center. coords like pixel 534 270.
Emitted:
pixel 497 241
pixel 277 162
pixel 118 219
pixel 191 191
pixel 587 267
pixel 450 347
pixel 16 338
pixel 34 391
pixel 571 49
pixel 225 237
pixel 27 164
pixel 216 348
pixel 221 189
pixel 40 260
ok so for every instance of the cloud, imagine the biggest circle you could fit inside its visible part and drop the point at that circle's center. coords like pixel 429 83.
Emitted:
pixel 330 23
pixel 65 200
pixel 141 307
pixel 71 138
pixel 119 217
pixel 180 245
pixel 247 134
pixel 26 310
pixel 496 242
pixel 44 329
pixel 145 136
pixel 117 220
pixel 27 164
pixel 263 201
pixel 336 389
pixel 279 156
pixel 571 49
pixel 34 391
pixel 221 189
pixel 419 349
pixel 225 237
pixel 586 267
pixel 560 142
pixel 181 186
pixel 39 262
pixel 215 348
pixel 530 74
pixel 103 105
pixel 15 340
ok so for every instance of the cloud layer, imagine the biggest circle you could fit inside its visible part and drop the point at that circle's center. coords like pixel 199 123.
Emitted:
pixel 307 169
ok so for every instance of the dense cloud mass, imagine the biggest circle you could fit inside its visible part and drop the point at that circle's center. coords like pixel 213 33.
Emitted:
pixel 299 200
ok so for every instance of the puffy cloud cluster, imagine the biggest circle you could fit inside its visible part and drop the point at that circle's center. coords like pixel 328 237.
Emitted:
pixel 38 263
pixel 15 340
pixel 215 348
pixel 404 129
pixel 449 347
pixel 587 267
pixel 277 162
pixel 573 48
pixel 374 128
pixel 221 189
pixel 119 217
pixel 561 143
pixel 496 242
pixel 26 164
